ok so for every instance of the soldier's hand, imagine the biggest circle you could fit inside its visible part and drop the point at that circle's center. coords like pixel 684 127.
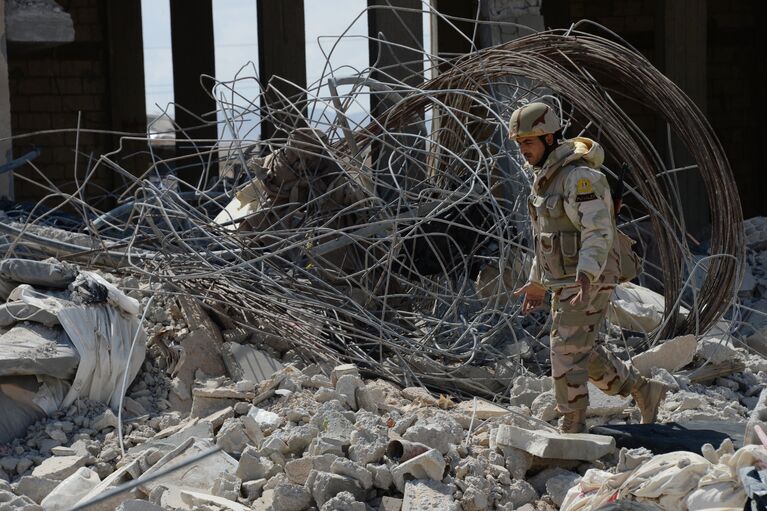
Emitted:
pixel 534 295
pixel 585 290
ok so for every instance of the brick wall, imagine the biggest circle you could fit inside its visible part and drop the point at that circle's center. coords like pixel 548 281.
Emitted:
pixel 48 88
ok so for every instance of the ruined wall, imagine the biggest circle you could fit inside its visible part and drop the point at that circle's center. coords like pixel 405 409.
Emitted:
pixel 48 87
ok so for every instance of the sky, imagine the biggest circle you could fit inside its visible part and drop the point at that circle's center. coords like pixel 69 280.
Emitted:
pixel 236 46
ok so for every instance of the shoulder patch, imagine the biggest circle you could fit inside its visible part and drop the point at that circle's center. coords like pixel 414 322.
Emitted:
pixel 584 186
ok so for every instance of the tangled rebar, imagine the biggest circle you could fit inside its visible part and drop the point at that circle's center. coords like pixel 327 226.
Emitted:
pixel 394 243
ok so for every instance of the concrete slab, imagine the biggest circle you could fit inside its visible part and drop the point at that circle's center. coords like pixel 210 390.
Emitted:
pixel 244 362
pixel 33 349
pixel 485 409
pixel 672 355
pixel 549 444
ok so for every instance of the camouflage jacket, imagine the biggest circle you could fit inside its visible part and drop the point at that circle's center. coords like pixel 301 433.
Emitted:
pixel 572 217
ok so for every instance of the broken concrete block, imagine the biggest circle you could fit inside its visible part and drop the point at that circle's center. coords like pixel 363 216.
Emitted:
pixel 367 446
pixel 549 444
pixel 382 478
pixel 558 486
pixel 59 467
pixel 715 350
pixel 346 388
pixel 344 501
pixel 36 488
pixel 428 495
pixel 253 466
pixel 106 420
pixel 253 489
pixel 232 437
pixel 71 490
pixel 342 370
pixel 359 473
pixel 526 388
pixel 265 420
pixel 602 405
pixel 205 406
pixel 544 407
pixel 419 395
pixel 227 486
pixel 244 362
pixel 636 308
pixel 672 355
pixel 325 486
pixel 390 504
pixel 291 497
pixel 429 465
pixel 201 500
pixel 439 431
pixel 484 409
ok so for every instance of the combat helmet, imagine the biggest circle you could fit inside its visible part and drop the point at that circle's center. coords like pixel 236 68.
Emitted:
pixel 532 120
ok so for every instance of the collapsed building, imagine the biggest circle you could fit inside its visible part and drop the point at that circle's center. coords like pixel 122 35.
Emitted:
pixel 328 326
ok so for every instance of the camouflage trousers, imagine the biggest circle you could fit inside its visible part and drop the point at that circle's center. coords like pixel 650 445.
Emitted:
pixel 575 356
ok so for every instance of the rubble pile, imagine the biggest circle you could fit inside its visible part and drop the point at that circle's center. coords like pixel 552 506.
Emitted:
pixel 278 433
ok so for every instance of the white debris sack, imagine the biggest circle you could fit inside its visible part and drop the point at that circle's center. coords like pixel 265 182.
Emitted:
pixel 102 334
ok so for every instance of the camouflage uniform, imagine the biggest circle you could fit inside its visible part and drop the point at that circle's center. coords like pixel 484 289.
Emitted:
pixel 574 230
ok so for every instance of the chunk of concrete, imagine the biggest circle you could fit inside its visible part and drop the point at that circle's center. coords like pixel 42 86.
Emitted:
pixel 715 350
pixel 71 490
pixel 344 467
pixel 253 466
pixel 484 409
pixel 36 488
pixel 526 388
pixel 672 355
pixel 59 467
pixel 552 445
pixel 603 405
pixel 291 497
pixel 342 370
pixel 138 505
pixel 325 486
pixel 244 362
pixel 427 496
pixel 346 388
pixel 429 465
pixel 391 504
pixel 198 500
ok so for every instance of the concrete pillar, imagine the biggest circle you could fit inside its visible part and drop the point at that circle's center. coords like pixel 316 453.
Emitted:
pixel 6 178
pixel 683 24
pixel 126 77
pixel 520 12
pixel 282 52
pixel 193 55
pixel 454 37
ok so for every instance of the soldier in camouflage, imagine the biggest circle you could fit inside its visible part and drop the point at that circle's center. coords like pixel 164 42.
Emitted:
pixel 577 259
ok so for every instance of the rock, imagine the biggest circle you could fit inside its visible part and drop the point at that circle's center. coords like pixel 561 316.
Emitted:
pixel 368 399
pixel 474 499
pixel 11 502
pixel 438 431
pixel 527 388
pixel 672 355
pixel 325 486
pixel 59 467
pixel 344 501
pixel 244 362
pixel 419 395
pixel 106 420
pixel 242 408
pixel 755 229
pixel 324 394
pixel 346 388
pixel 636 308
pixel 367 446
pixel 715 350
pixel 299 438
pixel 548 444
pixel 429 465
pixel 544 407
pixel 36 488
pixel 343 370
pixel 382 478
pixel 265 420
pixel 484 409
pixel 232 437
pixel 390 504
pixel 520 493
pixel 217 419
pixel 63 451
pixel 204 406
pixel 199 500
pixel 428 495
pixel 227 486
pixel 344 467
pixel 67 494
pixel 252 489
pixel 138 505
pixel 23 465
pixel 253 466
pixel 8 463
pixel 517 461
pixel 291 497
pixel 602 405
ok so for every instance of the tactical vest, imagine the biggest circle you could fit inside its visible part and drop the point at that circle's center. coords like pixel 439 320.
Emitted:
pixel 558 241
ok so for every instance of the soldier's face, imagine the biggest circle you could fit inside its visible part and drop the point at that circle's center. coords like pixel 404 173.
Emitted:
pixel 532 148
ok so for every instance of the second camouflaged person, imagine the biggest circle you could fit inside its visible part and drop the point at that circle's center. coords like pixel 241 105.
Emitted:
pixel 580 257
